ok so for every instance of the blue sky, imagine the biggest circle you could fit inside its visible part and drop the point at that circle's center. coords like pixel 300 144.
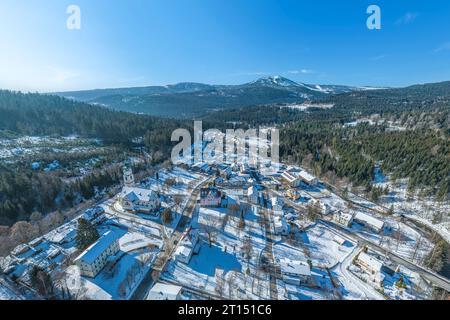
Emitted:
pixel 151 42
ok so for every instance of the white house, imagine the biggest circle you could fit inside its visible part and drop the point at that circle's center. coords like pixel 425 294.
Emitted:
pixel 161 291
pixel 280 226
pixel 137 200
pixel 94 215
pixel 325 208
pixel 369 263
pixel 252 195
pixel 372 266
pixel 369 221
pixel 277 203
pixel 210 197
pixel 294 271
pixel 342 218
pixel 187 247
pixel 94 258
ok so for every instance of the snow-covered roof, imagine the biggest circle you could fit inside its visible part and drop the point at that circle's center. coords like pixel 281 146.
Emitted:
pixel 372 262
pixel 183 251
pixel 345 216
pixel 97 248
pixel 190 238
pixel 277 201
pixel 91 213
pixel 161 291
pixel 292 267
pixel 138 194
pixel 279 221
pixel 278 213
pixel 339 239
pixel 60 235
pixel 210 192
pixel 252 190
pixel 370 220
pixel 305 176
pixel 290 177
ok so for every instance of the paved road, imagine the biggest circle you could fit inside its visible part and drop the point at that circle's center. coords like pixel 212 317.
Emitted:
pixel 351 281
pixel 268 253
pixel 170 245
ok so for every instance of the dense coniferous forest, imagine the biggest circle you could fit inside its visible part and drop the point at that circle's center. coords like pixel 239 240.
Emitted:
pixel 35 114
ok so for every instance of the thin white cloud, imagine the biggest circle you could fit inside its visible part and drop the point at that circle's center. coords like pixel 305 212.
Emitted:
pixel 301 71
pixel 379 57
pixel 443 47
pixel 407 18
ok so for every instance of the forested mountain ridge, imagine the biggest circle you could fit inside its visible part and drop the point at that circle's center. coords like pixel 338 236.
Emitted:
pixel 36 114
pixel 427 97
pixel 194 99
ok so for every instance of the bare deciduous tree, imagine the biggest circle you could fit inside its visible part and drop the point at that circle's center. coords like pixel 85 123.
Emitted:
pixel 211 225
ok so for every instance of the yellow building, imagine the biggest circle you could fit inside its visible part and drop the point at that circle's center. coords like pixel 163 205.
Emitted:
pixel 94 258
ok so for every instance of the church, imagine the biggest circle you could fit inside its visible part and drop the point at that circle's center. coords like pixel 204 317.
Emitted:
pixel 137 200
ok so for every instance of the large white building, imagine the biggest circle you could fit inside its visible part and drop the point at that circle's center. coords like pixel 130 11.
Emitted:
pixel 342 218
pixel 135 199
pixel 308 178
pixel 294 178
pixel 280 225
pixel 139 200
pixel 372 266
pixel 294 271
pixel 369 221
pixel 94 258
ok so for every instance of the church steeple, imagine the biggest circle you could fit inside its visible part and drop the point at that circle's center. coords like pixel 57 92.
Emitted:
pixel 128 177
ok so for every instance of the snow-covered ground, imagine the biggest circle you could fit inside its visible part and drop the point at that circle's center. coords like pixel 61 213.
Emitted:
pixel 426 210
pixel 225 254
pixel 9 293
pixel 30 145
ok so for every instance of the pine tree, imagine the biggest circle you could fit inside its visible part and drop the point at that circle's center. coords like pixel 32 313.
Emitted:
pixel 87 234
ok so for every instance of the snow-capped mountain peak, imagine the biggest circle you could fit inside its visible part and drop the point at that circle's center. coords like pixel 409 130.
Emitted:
pixel 276 81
